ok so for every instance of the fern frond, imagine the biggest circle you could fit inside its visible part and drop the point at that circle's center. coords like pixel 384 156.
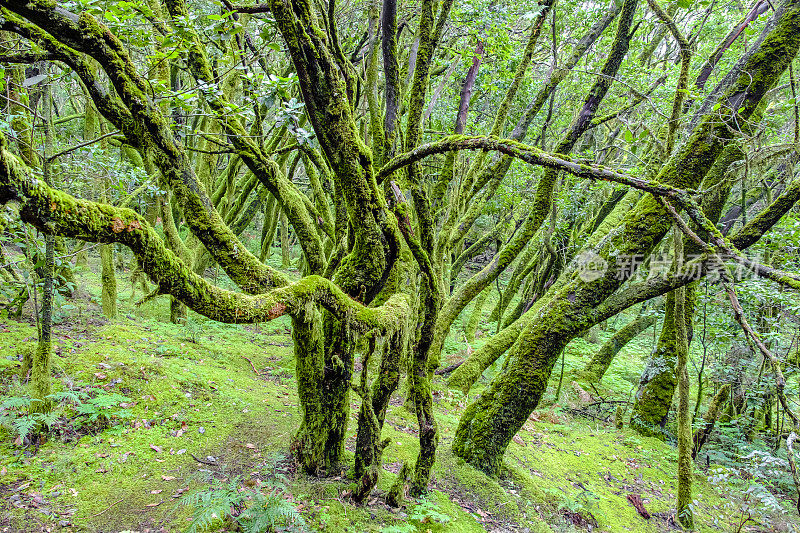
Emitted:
pixel 24 424
pixel 74 397
pixel 15 402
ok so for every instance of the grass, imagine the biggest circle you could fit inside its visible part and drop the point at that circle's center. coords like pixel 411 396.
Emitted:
pixel 196 399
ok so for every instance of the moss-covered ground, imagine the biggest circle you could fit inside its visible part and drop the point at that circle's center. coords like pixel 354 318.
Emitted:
pixel 208 401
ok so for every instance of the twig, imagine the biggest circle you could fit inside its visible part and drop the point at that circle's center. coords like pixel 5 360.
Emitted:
pixel 598 393
pixel 203 461
pixel 81 145
pixel 103 511
pixel 252 365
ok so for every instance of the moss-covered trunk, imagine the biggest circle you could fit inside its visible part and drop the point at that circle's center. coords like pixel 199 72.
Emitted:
pixel 685 463
pixel 109 281
pixel 309 350
pixel 40 364
pixel 601 360
pixel 489 423
pixel 659 379
pixel 324 348
pixel 710 419
pixel 475 315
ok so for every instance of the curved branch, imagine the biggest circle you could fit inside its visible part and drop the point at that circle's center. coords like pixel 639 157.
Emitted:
pixel 57 213
pixel 531 155
pixel 135 113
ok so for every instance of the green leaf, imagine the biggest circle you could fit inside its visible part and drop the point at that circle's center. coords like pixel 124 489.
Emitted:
pixel 628 135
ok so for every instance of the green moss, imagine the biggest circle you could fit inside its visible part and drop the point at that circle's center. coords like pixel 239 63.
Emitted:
pixel 557 461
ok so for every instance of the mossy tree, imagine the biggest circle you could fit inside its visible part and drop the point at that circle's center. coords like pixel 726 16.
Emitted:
pixel 377 269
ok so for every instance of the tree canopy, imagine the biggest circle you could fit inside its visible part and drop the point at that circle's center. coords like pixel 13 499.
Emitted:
pixel 598 155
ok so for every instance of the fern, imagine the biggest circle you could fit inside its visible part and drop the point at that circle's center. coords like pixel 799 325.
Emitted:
pixel 100 407
pixel 105 400
pixel 49 419
pixel 427 512
pixel 267 512
pixel 213 504
pixel 89 410
pixel 74 397
pixel 24 424
pixel 16 402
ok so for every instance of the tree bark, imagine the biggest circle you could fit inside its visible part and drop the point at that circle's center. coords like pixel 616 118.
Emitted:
pixel 488 424
pixel 597 367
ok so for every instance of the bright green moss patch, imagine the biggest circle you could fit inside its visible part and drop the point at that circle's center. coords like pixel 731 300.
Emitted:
pixel 192 390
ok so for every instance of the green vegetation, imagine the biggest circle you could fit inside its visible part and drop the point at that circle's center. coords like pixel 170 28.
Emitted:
pixel 538 265
pixel 189 390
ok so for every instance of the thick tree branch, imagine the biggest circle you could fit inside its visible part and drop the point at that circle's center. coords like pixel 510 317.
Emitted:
pixel 57 213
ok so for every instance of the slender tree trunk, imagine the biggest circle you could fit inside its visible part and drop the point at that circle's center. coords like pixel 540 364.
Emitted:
pixel 40 367
pixel 268 231
pixel 109 281
pixel 710 419
pixel 685 463
pixel 285 248
pixel 597 367
pixel 92 128
pixel 475 315
pixel 488 424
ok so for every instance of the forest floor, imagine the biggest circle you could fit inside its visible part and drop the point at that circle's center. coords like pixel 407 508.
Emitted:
pixel 208 401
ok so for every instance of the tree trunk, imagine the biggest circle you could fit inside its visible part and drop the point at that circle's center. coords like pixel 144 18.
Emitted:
pixel 40 364
pixel 710 419
pixel 285 247
pixel 109 281
pixel 597 367
pixel 489 423
pixel 659 379
pixel 475 315
pixel 323 381
pixel 685 463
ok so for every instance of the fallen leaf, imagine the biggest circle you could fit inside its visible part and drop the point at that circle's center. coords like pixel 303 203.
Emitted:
pixel 181 451
pixel 167 478
pixel 159 460
pixel 250 445
pixel 101 471
pixel 155 448
pixel 156 491
pixel 153 504
pixel 100 375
